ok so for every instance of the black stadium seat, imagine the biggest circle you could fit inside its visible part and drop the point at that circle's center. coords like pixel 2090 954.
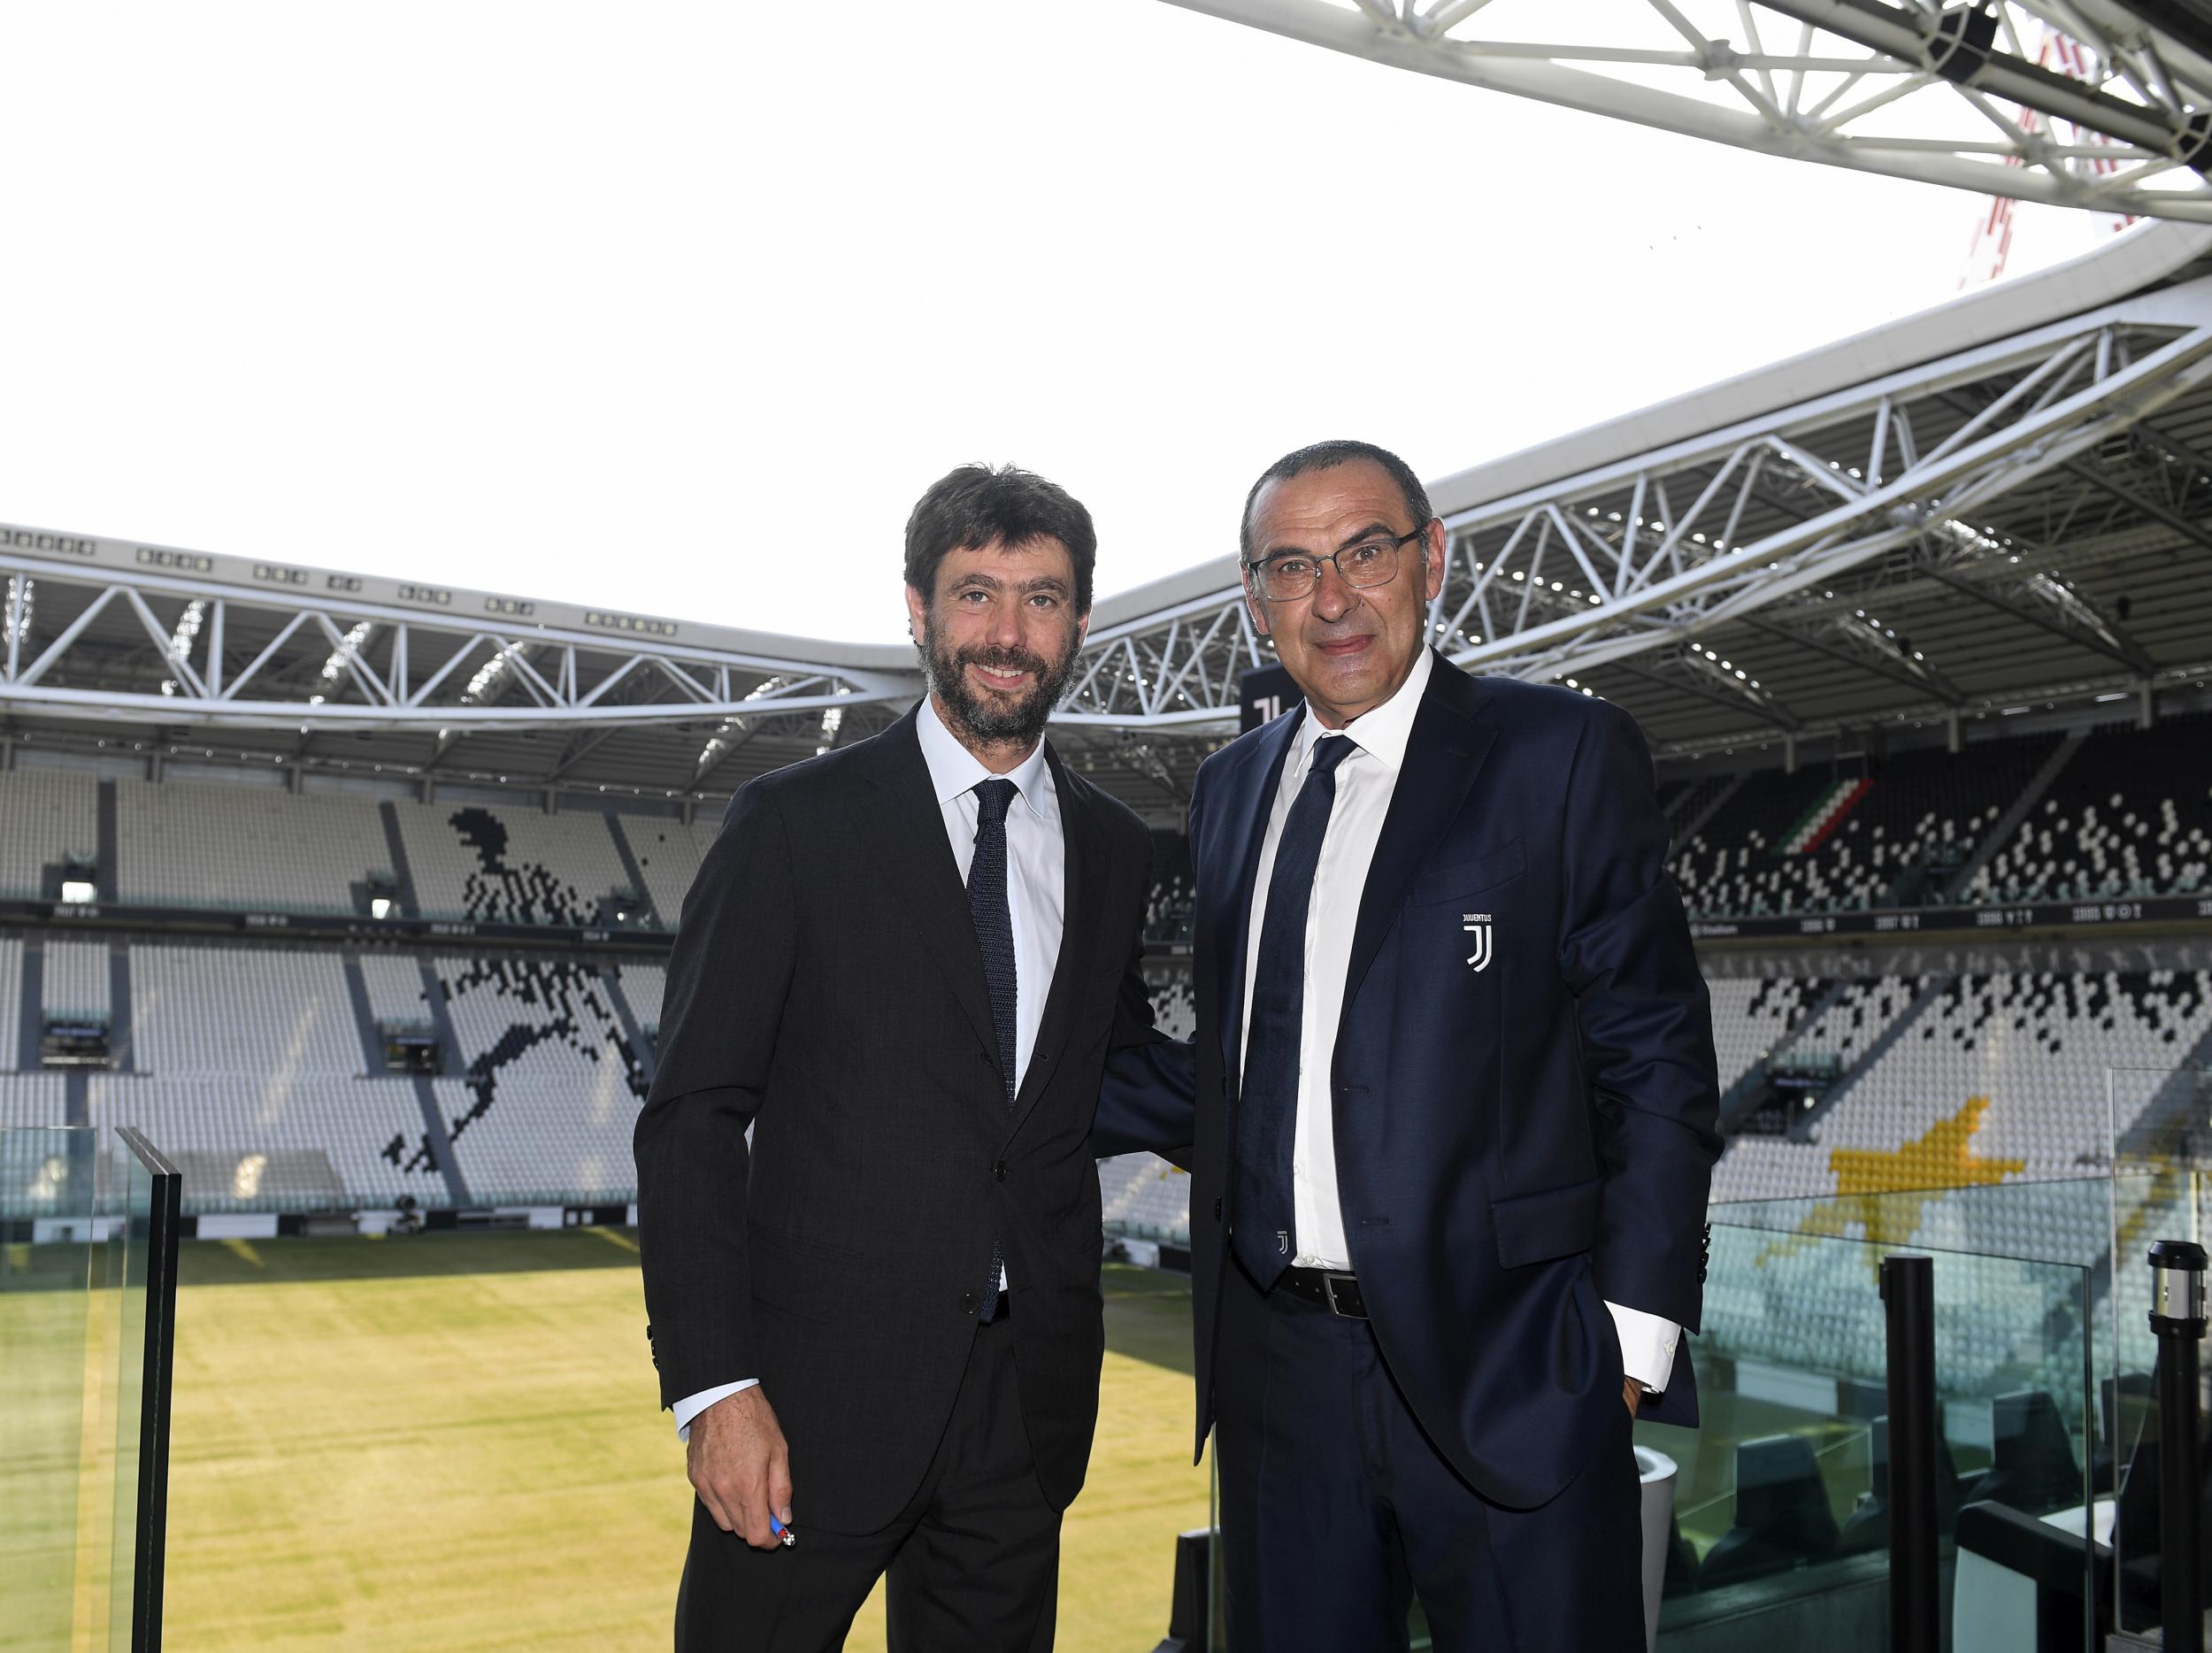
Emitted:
pixel 1782 1515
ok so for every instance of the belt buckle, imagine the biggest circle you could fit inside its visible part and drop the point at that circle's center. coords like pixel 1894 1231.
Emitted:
pixel 1328 1290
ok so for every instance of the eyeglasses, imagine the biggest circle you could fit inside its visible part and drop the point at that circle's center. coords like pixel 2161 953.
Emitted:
pixel 1294 574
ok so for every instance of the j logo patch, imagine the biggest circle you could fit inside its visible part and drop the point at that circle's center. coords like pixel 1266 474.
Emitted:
pixel 1478 924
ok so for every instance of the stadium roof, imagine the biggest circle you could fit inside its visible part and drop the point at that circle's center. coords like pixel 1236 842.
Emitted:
pixel 2000 501
pixel 2101 105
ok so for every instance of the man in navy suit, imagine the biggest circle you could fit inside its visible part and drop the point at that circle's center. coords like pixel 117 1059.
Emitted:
pixel 1449 1113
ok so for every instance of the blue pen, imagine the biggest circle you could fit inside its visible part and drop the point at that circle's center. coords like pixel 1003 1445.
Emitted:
pixel 781 1531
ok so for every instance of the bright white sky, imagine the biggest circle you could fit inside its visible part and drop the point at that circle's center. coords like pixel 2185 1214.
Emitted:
pixel 609 304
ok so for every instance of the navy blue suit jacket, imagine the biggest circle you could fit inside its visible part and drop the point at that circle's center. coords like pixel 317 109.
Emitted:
pixel 1516 1146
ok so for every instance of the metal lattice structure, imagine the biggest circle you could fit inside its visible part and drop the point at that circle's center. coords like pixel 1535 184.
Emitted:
pixel 216 648
pixel 1928 543
pixel 2099 104
pixel 2003 503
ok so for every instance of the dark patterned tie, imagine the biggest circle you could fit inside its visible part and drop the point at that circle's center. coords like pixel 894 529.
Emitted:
pixel 1262 1213
pixel 994 935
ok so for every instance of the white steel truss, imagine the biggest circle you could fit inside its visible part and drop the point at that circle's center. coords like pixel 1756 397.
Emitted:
pixel 111 642
pixel 2072 103
pixel 1955 470
pixel 1990 472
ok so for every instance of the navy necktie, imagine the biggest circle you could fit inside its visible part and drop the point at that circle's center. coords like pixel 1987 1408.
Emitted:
pixel 1262 1222
pixel 993 917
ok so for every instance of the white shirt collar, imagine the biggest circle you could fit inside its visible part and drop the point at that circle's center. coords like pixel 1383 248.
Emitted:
pixel 1381 733
pixel 953 769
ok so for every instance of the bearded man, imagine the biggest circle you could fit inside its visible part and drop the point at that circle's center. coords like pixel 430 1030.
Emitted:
pixel 903 967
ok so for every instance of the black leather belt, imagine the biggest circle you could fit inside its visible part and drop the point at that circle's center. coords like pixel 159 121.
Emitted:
pixel 1339 1293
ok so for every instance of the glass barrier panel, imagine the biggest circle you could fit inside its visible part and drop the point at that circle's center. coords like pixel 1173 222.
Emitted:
pixel 49 1200
pixel 1781 1500
pixel 148 1195
pixel 2161 1153
pixel 1775 1509
pixel 128 1246
pixel 2067 1221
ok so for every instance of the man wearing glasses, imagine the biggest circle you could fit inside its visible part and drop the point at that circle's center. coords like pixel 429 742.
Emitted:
pixel 1449 1113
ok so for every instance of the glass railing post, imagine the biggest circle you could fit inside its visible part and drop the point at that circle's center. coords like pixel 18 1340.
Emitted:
pixel 2177 1321
pixel 1914 1597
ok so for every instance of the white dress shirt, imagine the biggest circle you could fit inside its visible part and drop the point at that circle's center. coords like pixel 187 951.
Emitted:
pixel 1364 782
pixel 1036 893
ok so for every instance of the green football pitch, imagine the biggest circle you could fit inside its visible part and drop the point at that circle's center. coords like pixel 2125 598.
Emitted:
pixel 452 1441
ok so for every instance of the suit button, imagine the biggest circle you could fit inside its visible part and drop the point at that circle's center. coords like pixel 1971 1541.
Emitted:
pixel 999 1170
pixel 967 1303
pixel 1216 1208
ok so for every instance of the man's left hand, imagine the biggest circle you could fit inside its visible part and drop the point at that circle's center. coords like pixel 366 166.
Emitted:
pixel 1632 1392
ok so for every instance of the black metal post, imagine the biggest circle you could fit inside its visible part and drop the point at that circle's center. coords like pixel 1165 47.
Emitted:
pixel 1915 1606
pixel 2177 1320
pixel 162 1230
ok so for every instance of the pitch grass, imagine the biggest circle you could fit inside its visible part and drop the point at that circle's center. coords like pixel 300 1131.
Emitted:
pixel 451 1441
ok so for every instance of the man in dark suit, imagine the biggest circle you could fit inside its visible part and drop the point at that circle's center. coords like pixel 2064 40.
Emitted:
pixel 1449 1113
pixel 902 966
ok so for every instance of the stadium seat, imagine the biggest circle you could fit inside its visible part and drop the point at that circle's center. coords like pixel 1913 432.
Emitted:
pixel 2033 1467
pixel 2131 815
pixel 1782 1515
pixel 1853 837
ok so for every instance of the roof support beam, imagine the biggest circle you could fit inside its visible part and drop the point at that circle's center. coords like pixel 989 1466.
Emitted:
pixel 2193 532
pixel 1765 711
pixel 2132 658
pixel 578 749
pixel 1911 677
pixel 2037 135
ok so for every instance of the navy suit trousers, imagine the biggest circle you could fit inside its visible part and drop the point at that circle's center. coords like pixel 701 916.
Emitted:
pixel 1336 1510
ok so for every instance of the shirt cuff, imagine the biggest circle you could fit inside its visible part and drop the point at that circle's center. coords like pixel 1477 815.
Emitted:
pixel 691 1405
pixel 1648 1345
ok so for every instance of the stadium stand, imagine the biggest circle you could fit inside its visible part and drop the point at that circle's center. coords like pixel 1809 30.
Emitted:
pixel 10 1002
pixel 394 984
pixel 75 980
pixel 1997 1074
pixel 551 1082
pixel 227 1010
pixel 1144 1195
pixel 1730 864
pixel 1846 840
pixel 1167 915
pixel 644 988
pixel 668 854
pixel 33 1099
pixel 512 866
pixel 1753 1015
pixel 1857 1018
pixel 1683 801
pixel 2033 1049
pixel 2131 815
pixel 185 843
pixel 2001 1077
pixel 48 817
pixel 1172 1010
pixel 299 1140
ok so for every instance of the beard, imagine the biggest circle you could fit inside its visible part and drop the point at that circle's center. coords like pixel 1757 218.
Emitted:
pixel 990 718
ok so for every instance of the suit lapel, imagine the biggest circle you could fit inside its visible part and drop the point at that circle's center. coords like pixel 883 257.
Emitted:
pixel 901 816
pixel 1083 853
pixel 1443 755
pixel 1248 800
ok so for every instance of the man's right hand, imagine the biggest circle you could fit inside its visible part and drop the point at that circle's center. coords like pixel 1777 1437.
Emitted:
pixel 741 1469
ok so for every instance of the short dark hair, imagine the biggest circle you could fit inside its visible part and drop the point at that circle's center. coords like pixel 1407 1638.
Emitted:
pixel 1326 456
pixel 982 504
